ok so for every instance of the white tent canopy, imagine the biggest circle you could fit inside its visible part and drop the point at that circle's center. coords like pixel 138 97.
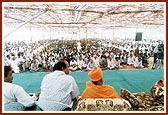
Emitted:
pixel 45 20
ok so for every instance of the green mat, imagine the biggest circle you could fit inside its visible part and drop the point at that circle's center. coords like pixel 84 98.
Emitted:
pixel 133 80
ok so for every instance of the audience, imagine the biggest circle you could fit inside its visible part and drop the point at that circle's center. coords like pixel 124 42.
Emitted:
pixel 91 55
pixel 103 53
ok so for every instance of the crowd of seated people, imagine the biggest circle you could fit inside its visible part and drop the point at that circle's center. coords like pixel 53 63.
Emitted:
pixel 81 54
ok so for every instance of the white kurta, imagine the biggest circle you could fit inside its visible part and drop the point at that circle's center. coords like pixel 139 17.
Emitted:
pixel 14 64
pixel 59 88
pixel 110 63
pixel 15 93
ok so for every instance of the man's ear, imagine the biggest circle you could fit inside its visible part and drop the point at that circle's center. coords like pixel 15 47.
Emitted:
pixel 6 79
pixel 63 68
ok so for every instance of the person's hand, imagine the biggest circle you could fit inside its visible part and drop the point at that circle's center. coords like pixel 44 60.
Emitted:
pixel 79 98
pixel 157 95
pixel 37 94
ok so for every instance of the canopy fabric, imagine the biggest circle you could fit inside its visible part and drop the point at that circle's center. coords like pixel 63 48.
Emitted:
pixel 75 16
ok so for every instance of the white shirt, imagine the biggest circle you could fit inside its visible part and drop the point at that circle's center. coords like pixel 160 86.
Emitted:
pixel 130 60
pixel 15 93
pixel 90 65
pixel 80 63
pixel 96 61
pixel 7 61
pixel 110 63
pixel 79 46
pixel 137 63
pixel 72 63
pixel 14 64
pixel 58 87
pixel 155 49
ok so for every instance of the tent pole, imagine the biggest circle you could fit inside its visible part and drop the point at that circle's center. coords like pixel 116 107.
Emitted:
pixel 79 34
pixel 113 34
pixel 30 34
pixel 86 32
pixel 43 33
pixel 50 33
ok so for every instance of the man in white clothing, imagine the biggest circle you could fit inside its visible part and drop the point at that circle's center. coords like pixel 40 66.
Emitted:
pixel 81 64
pixel 96 61
pixel 14 63
pixel 15 97
pixel 155 51
pixel 73 65
pixel 110 62
pixel 58 89
pixel 130 60
pixel 90 64
pixel 138 63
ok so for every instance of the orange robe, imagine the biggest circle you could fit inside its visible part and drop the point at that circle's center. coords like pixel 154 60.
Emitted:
pixel 99 91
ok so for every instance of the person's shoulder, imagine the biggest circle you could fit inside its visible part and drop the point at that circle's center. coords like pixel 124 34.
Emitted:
pixel 13 86
pixel 54 74
pixel 49 74
pixel 108 86
pixel 9 84
pixel 69 76
pixel 89 84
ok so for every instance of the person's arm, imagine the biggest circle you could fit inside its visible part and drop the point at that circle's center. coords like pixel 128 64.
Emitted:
pixel 115 94
pixel 31 66
pixel 108 63
pixel 35 95
pixel 22 96
pixel 88 66
pixel 74 93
